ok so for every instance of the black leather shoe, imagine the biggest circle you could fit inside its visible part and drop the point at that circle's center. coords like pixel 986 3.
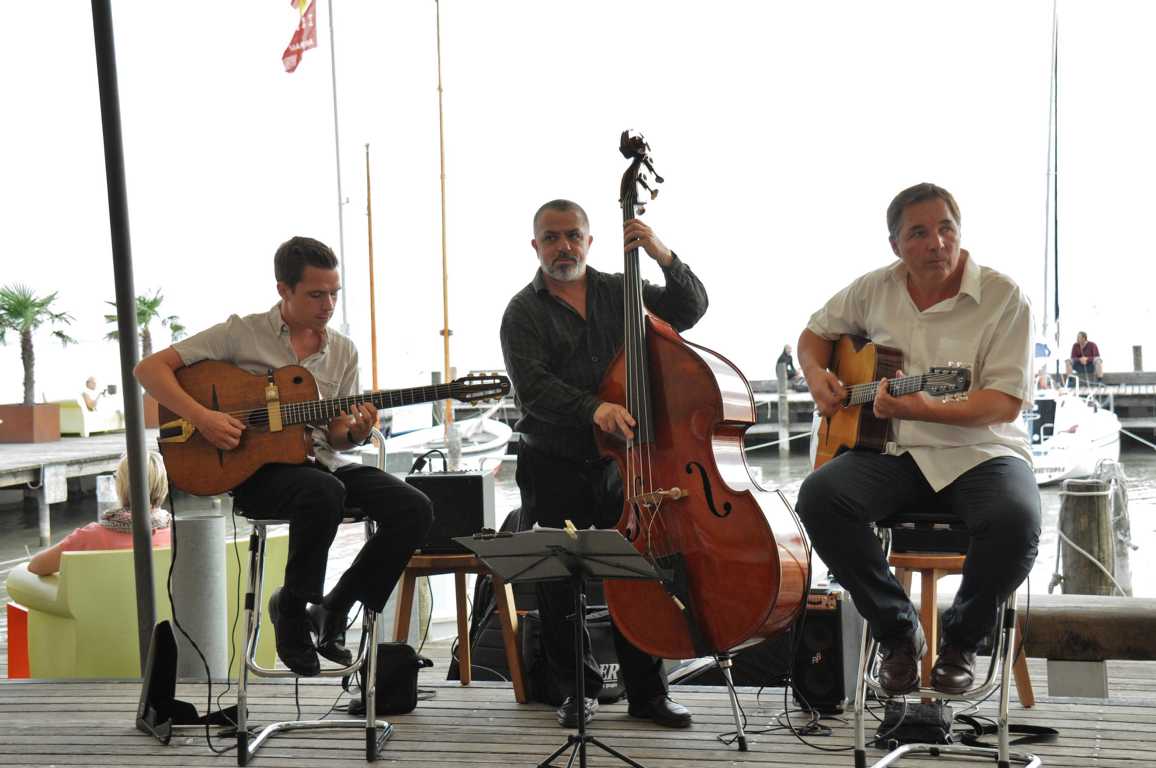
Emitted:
pixel 954 670
pixel 330 629
pixel 661 710
pixel 568 712
pixel 294 644
pixel 899 663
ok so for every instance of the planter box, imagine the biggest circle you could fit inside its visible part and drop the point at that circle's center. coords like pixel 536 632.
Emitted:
pixel 39 423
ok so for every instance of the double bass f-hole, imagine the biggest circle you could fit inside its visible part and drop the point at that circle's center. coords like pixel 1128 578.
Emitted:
pixel 706 489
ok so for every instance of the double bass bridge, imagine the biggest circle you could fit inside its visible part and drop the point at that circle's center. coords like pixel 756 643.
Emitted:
pixel 652 500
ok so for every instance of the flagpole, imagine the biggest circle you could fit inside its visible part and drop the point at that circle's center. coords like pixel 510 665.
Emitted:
pixel 340 195
pixel 372 303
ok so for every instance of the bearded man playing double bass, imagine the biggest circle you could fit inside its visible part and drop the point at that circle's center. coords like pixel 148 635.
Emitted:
pixel 934 305
pixel 559 335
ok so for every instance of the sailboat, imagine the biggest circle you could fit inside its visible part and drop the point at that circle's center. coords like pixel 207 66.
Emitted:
pixel 1071 431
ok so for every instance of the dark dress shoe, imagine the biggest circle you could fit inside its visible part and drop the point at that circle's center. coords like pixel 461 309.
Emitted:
pixel 954 670
pixel 568 712
pixel 899 664
pixel 661 710
pixel 330 628
pixel 294 643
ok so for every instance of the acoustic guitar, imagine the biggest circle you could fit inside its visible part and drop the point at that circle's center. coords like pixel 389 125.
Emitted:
pixel 277 408
pixel 860 364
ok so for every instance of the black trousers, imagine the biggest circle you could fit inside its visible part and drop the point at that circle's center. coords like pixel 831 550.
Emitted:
pixel 998 501
pixel 586 493
pixel 313 500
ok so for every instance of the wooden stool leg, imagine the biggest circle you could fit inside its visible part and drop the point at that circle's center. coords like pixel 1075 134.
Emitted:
pixel 903 575
pixel 1020 670
pixel 508 618
pixel 465 663
pixel 929 618
pixel 404 607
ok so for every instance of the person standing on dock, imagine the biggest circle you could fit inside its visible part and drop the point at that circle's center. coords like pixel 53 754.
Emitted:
pixel 313 495
pixel 559 335
pixel 934 304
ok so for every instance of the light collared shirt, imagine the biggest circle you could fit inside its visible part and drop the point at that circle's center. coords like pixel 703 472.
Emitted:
pixel 987 326
pixel 261 341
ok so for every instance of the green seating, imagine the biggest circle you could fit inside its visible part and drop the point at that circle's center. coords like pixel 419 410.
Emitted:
pixel 82 621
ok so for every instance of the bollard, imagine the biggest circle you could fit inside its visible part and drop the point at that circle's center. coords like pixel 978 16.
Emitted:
pixel 784 411
pixel 1085 519
pixel 199 595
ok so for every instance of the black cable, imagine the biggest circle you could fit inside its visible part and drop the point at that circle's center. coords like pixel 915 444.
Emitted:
pixel 420 462
pixel 173 609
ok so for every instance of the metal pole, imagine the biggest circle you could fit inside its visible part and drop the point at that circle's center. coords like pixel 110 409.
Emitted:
pixel 340 195
pixel 126 319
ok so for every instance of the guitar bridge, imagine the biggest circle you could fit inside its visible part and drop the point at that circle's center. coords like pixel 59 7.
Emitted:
pixel 273 403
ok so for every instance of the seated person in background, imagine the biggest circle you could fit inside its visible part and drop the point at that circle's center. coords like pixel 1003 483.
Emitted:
pixel 90 394
pixel 114 529
pixel 1085 359
pixel 793 378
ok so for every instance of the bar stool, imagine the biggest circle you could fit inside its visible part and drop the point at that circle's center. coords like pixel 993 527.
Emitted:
pixel 377 732
pixel 459 565
pixel 932 531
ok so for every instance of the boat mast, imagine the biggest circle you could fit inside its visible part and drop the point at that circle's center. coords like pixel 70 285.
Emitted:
pixel 446 332
pixel 340 195
pixel 1051 213
pixel 372 303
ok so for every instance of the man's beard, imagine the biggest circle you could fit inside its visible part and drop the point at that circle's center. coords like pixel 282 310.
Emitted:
pixel 565 271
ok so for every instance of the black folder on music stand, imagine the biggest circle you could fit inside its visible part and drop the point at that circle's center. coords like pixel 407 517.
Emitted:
pixel 547 554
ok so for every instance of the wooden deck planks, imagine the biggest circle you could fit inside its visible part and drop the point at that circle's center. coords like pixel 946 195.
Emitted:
pixel 91 723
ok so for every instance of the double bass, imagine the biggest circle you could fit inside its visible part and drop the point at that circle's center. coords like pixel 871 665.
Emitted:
pixel 732 557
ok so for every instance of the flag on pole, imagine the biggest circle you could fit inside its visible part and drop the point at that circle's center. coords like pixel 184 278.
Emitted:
pixel 304 38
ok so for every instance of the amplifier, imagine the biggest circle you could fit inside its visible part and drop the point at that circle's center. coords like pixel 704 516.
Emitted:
pixel 826 660
pixel 463 504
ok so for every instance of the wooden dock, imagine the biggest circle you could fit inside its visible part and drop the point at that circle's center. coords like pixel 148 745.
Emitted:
pixel 92 724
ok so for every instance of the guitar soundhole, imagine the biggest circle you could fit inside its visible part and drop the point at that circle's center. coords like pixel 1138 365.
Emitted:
pixel 297 379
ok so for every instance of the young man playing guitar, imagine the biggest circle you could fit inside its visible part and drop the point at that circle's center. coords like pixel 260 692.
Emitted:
pixel 934 305
pixel 313 495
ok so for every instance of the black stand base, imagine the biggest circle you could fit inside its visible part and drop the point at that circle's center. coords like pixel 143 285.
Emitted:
pixel 578 742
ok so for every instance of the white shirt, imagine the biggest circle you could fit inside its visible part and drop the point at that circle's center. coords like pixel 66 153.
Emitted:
pixel 987 326
pixel 261 341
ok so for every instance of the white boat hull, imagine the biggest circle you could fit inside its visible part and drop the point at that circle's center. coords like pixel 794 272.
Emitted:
pixel 1081 435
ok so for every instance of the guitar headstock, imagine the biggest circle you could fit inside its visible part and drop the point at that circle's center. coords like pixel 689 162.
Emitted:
pixel 948 380
pixel 478 387
pixel 634 148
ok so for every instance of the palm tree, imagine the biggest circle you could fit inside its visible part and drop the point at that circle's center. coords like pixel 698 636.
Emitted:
pixel 23 312
pixel 148 310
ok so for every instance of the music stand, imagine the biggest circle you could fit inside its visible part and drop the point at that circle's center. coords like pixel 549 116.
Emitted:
pixel 549 554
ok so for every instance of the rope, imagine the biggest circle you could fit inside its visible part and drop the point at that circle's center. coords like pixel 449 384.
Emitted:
pixel 1085 553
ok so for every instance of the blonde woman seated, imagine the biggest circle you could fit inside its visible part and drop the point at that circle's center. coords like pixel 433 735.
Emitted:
pixel 114 529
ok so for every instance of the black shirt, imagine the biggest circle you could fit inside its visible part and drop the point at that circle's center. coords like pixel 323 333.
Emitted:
pixel 556 360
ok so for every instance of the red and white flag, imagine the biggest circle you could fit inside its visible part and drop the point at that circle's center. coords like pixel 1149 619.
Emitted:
pixel 304 38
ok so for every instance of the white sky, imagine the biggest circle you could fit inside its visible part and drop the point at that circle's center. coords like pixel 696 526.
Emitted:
pixel 783 130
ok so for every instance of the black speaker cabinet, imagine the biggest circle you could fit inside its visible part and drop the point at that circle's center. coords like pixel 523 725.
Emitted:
pixel 463 504
pixel 827 656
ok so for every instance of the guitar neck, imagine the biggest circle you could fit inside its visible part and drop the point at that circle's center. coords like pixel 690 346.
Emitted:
pixel 904 385
pixel 317 411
